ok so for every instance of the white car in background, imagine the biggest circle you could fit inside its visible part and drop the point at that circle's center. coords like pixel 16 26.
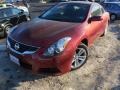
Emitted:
pixel 24 8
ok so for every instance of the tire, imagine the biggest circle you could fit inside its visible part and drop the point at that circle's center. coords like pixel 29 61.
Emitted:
pixel 7 28
pixel 80 57
pixel 113 17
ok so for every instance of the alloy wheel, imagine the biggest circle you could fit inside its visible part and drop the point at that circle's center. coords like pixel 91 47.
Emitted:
pixel 79 58
pixel 7 29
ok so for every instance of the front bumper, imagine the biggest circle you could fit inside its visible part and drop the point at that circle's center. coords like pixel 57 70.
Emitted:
pixel 58 64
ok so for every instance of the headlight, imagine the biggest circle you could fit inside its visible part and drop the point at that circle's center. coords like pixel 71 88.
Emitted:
pixel 57 47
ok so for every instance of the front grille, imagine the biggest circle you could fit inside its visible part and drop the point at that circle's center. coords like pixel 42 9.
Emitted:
pixel 22 47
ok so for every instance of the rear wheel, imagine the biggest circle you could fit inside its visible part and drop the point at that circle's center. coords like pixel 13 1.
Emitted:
pixel 80 57
pixel 113 17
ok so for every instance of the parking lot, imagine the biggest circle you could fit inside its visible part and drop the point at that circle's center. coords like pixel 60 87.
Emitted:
pixel 101 72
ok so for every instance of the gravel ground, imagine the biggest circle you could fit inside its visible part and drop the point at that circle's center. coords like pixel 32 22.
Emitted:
pixel 101 72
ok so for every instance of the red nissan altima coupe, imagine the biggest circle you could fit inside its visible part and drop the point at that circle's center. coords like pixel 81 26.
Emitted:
pixel 58 40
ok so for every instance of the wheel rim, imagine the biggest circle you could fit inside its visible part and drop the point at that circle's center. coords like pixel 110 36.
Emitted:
pixel 113 17
pixel 7 29
pixel 79 58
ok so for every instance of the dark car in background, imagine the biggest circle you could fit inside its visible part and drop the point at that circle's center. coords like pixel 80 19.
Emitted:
pixel 10 17
pixel 112 0
pixel 113 8
pixel 53 1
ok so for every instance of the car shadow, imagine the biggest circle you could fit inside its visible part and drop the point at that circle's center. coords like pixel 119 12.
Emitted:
pixel 13 82
pixel 11 75
pixel 21 76
pixel 116 88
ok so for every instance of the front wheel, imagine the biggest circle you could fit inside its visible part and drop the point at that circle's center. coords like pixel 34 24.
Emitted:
pixel 7 29
pixel 80 57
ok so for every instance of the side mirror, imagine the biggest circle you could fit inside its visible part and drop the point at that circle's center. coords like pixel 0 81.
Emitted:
pixel 94 18
pixel 21 11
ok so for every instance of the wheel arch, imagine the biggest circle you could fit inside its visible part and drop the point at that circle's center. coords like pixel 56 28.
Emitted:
pixel 6 24
pixel 85 41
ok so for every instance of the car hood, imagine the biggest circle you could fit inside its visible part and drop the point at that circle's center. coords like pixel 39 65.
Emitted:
pixel 39 32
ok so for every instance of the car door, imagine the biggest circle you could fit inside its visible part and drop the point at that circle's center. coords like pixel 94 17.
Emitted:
pixel 13 17
pixel 104 21
pixel 21 16
pixel 18 16
pixel 94 27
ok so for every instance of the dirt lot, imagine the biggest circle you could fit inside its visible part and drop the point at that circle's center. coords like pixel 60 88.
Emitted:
pixel 101 72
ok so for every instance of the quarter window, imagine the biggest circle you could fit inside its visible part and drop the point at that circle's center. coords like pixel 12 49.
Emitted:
pixel 96 10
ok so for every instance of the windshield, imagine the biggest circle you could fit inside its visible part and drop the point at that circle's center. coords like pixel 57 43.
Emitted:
pixel 7 12
pixel 67 12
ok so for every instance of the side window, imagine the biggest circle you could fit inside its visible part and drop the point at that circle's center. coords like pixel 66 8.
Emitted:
pixel 96 10
pixel 15 11
pixel 115 6
pixel 108 5
pixel 7 12
pixel 10 12
pixel 112 6
pixel 2 15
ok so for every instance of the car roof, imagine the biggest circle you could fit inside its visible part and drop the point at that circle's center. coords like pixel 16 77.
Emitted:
pixel 81 2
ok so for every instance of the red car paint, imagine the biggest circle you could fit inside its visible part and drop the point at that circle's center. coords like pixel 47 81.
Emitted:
pixel 43 33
